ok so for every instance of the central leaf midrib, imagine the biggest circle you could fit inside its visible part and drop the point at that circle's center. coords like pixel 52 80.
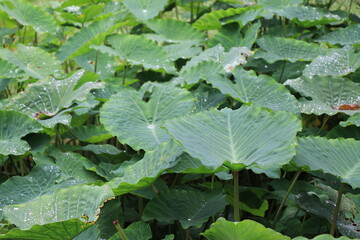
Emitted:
pixel 230 135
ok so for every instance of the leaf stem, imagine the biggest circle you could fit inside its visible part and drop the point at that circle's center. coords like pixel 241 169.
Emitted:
pixel 293 181
pixel 236 197
pixel 120 230
pixel 282 72
pixel 337 209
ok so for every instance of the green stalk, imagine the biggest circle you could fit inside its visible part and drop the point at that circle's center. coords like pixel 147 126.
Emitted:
pixel 337 209
pixel 350 6
pixel 323 124
pixel 282 72
pixel 191 11
pixel 277 215
pixel 96 61
pixel 125 73
pixel 120 230
pixel 236 197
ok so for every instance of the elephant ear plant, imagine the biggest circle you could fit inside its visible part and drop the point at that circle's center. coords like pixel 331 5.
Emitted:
pixel 174 119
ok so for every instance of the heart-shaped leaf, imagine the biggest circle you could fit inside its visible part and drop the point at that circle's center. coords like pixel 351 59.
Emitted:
pixel 139 123
pixel 13 126
pixel 190 207
pixel 339 157
pixel 145 9
pixel 328 94
pixel 247 137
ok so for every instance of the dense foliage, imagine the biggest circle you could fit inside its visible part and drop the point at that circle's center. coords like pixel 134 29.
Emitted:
pixel 180 119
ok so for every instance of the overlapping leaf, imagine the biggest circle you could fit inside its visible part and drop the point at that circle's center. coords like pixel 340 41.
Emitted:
pixel 278 48
pixel 139 123
pixel 138 50
pixel 29 14
pixel 344 36
pixel 49 97
pixel 262 90
pixel 190 207
pixel 13 126
pixel 339 157
pixel 328 94
pixel 144 172
pixel 247 137
pixel 337 62
pixel 353 120
pixel 34 61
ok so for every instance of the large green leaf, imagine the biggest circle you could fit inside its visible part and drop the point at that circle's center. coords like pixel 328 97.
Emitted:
pixel 138 50
pixel 91 133
pixel 244 230
pixel 53 231
pixel 270 4
pixel 327 94
pixel 29 14
pixel 93 34
pixel 339 157
pixel 184 49
pixel 145 9
pixel 40 181
pixel 136 231
pixel 190 207
pixel 344 36
pixel 80 202
pixel 13 126
pixel 308 16
pixel 9 70
pixel 322 237
pixel 50 96
pixel 34 61
pixel 139 123
pixel 262 90
pixel 337 62
pixel 279 48
pixel 144 172
pixel 248 137
pixel 165 30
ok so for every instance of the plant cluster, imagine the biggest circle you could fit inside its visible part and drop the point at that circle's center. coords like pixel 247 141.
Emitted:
pixel 180 119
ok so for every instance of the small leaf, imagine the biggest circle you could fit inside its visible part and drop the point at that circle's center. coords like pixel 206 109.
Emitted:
pixel 339 157
pixel 145 9
pixel 247 229
pixel 190 207
pixel 65 204
pixel 353 120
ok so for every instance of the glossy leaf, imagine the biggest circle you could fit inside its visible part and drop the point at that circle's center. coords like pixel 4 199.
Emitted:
pixel 165 30
pixel 138 123
pixel 145 9
pixel 248 137
pixel 337 62
pixel 185 49
pixel 339 157
pixel 344 36
pixel 145 171
pixel 9 70
pixel 13 126
pixel 138 50
pixel 49 97
pixel 247 229
pixel 277 48
pixel 53 231
pixel 64 204
pixel 327 94
pixel 262 90
pixel 34 61
pixel 190 207
pixel 24 12
pixel 91 133
pixel 100 149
